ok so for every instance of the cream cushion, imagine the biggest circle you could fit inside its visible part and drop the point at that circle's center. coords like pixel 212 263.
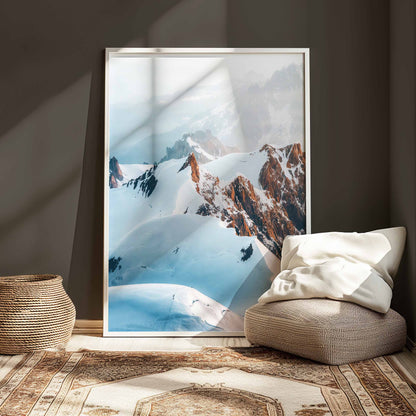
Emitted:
pixel 396 237
pixel 329 331
pixel 354 267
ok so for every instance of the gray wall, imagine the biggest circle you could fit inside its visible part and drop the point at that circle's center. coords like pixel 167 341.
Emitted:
pixel 403 149
pixel 51 130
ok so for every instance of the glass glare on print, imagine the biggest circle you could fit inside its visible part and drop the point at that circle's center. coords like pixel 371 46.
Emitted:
pixel 206 178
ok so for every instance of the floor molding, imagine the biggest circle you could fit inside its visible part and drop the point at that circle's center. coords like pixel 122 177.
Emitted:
pixel 88 326
pixel 411 345
pixel 95 326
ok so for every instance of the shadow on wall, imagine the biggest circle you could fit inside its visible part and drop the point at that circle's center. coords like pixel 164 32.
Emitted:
pixel 51 149
pixel 41 160
pixel 86 273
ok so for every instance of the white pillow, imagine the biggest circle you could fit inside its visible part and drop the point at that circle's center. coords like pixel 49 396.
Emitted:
pixel 354 267
pixel 397 240
pixel 382 252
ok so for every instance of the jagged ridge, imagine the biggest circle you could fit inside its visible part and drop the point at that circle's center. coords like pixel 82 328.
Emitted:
pixel 273 212
pixel 147 181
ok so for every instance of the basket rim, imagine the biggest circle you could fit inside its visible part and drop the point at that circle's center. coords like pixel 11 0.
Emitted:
pixel 30 280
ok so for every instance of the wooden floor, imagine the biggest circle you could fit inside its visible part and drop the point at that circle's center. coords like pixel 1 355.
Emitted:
pixel 407 360
pixel 97 342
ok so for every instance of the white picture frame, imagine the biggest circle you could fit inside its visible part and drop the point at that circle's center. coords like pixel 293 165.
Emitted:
pixel 155 53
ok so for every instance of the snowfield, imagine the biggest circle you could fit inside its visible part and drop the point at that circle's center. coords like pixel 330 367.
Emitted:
pixel 173 193
pixel 167 307
pixel 198 252
pixel 235 164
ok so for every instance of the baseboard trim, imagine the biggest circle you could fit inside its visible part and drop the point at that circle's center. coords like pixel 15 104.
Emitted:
pixel 95 326
pixel 411 345
pixel 88 326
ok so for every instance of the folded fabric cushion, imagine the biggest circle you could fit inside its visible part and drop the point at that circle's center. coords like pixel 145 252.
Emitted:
pixel 354 267
pixel 396 237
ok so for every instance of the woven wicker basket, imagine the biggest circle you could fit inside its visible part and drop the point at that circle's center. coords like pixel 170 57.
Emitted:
pixel 35 313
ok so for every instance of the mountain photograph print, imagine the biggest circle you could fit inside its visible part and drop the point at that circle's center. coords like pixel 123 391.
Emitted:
pixel 206 173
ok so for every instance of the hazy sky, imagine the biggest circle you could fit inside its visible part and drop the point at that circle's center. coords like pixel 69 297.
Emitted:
pixel 131 78
pixel 179 89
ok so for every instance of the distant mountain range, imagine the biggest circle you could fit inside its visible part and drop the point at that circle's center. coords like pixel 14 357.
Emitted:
pixel 202 144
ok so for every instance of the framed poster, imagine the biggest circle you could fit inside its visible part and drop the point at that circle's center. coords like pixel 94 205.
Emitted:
pixel 206 171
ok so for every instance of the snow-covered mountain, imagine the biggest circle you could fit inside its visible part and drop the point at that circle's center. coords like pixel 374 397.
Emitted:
pixel 202 144
pixel 168 307
pixel 215 227
pixel 269 207
pixel 258 194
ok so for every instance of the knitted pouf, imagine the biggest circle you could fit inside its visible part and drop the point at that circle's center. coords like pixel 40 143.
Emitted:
pixel 324 330
pixel 35 313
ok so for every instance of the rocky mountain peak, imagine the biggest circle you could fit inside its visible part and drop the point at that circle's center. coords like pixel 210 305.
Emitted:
pixel 180 149
pixel 205 146
pixel 270 213
pixel 287 187
pixel 146 182
pixel 241 191
pixel 296 155
pixel 268 149
pixel 115 173
pixel 191 161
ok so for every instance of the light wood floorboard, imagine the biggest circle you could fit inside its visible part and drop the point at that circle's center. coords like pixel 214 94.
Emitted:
pixel 97 342
pixel 407 360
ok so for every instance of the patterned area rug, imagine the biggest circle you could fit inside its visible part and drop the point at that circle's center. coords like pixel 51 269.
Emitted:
pixel 214 381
